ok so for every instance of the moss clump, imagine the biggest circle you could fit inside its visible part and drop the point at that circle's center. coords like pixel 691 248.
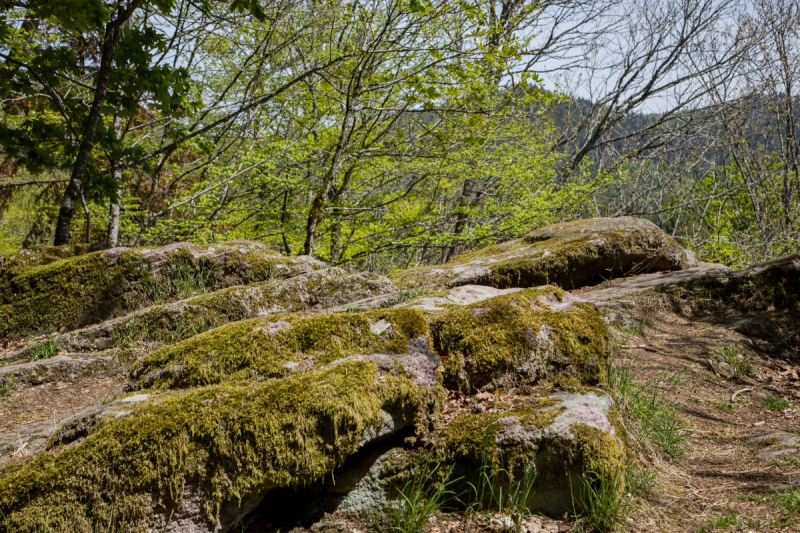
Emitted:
pixel 472 439
pixel 570 254
pixel 227 441
pixel 517 339
pixel 272 347
pixel 71 292
pixel 16 264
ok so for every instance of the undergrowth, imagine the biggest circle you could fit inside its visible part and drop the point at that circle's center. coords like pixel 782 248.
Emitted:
pixel 659 420
pixel 44 349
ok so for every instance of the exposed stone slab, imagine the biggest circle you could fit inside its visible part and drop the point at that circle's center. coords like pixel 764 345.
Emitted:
pixel 64 367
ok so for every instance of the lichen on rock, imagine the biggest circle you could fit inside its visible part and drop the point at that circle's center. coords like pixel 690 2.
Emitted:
pixel 568 254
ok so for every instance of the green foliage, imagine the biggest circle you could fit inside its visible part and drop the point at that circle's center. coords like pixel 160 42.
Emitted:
pixel 420 498
pixel 43 349
pixel 660 421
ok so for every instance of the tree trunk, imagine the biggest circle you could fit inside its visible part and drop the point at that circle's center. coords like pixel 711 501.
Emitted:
pixel 76 181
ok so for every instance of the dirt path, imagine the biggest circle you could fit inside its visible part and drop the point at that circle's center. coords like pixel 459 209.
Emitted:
pixel 719 484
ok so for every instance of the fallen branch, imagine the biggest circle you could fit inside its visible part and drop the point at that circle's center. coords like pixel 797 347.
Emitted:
pixel 738 392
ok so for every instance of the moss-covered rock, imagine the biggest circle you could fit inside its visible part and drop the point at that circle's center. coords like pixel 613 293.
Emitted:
pixel 92 287
pixel 525 337
pixel 172 322
pixel 276 346
pixel 569 254
pixel 199 460
pixel 761 302
pixel 15 264
pixel 554 441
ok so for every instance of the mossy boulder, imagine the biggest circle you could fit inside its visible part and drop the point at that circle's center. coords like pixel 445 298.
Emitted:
pixel 198 461
pixel 762 302
pixel 569 255
pixel 557 439
pixel 532 336
pixel 172 322
pixel 276 346
pixel 92 287
pixel 15 264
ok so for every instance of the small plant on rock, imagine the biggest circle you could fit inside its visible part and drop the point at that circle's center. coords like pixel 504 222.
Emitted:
pixel 44 349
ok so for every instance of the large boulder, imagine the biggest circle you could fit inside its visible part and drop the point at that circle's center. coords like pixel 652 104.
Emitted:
pixel 569 254
pixel 761 302
pixel 198 461
pixel 555 440
pixel 532 336
pixel 92 287
pixel 277 346
pixel 172 322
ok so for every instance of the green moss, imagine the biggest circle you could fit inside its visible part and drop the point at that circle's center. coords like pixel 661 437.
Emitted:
pixel 517 339
pixel 70 292
pixel 89 288
pixel 472 439
pixel 230 440
pixel 567 254
pixel 261 348
pixel 24 260
pixel 597 451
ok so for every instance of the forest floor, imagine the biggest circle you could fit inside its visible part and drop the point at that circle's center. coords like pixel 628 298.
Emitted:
pixel 729 478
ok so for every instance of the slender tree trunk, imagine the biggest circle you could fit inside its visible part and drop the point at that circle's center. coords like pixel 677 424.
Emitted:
pixel 285 221
pixel 317 210
pixel 112 237
pixel 76 181
pixel 87 232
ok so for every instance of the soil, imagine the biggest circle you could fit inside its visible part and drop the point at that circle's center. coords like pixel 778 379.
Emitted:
pixel 50 400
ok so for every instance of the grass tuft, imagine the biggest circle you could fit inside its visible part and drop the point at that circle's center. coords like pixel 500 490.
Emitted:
pixel 420 498
pixel 44 349
pixel 659 420
pixel 776 404
pixel 741 363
